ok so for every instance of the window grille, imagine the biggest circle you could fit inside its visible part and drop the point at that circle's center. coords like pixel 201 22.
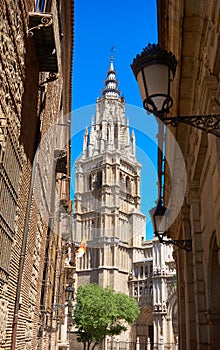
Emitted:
pixel 10 168
pixel 42 5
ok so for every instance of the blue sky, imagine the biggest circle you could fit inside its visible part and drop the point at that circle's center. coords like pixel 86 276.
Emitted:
pixel 126 24
pixel 129 26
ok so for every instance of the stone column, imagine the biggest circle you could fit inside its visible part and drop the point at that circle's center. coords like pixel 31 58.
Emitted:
pixel 138 344
pixel 161 343
pixel 177 344
pixel 106 343
pixel 63 331
pixel 117 344
pixel 181 298
pixel 199 287
pixel 148 344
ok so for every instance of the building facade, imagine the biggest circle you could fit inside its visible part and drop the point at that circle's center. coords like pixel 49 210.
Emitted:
pixel 107 212
pixel 190 29
pixel 153 285
pixel 36 43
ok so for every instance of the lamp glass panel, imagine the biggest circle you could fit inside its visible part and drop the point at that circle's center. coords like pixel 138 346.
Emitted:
pixel 161 224
pixel 69 293
pixel 141 85
pixel 157 80
pixel 159 219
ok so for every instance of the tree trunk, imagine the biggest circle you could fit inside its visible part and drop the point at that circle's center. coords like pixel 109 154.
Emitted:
pixel 94 346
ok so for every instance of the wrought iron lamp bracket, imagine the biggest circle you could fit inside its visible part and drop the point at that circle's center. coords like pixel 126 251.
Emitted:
pixel 185 244
pixel 52 77
pixel 45 22
pixel 208 123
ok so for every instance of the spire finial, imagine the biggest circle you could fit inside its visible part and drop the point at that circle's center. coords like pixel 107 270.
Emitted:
pixel 111 83
pixel 112 54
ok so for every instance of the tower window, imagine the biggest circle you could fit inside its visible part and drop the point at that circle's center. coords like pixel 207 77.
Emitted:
pixel 128 184
pixel 99 180
pixel 90 182
pixel 141 271
pixel 116 131
pixel 96 181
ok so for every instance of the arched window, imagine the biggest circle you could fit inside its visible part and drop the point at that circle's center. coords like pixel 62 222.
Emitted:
pixel 108 132
pixel 141 271
pixel 90 182
pixel 98 181
pixel 116 132
pixel 128 184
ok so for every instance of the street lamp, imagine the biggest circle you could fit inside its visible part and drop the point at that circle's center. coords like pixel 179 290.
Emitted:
pixel 69 298
pixel 69 294
pixel 154 70
pixel 159 216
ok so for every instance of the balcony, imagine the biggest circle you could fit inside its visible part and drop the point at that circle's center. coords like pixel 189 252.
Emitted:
pixel 41 28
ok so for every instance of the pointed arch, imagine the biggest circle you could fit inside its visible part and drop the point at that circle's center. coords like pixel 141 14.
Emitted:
pixel 214 277
pixel 213 313
pixel 144 325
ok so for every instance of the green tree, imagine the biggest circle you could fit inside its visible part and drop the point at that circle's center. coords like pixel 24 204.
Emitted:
pixel 101 311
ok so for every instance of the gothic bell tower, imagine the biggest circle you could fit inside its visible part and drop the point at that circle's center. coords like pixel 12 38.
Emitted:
pixel 107 194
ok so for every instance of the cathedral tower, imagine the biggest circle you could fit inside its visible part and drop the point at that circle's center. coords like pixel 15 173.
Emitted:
pixel 107 212
pixel 107 194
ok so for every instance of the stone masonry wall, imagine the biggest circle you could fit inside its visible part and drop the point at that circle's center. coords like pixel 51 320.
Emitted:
pixel 26 113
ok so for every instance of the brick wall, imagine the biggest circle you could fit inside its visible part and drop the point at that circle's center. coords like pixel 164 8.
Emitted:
pixel 26 114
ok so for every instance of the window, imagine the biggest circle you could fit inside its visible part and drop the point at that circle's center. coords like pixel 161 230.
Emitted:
pixel 98 181
pixel 42 6
pixel 90 182
pixel 9 185
pixel 141 271
pixel 128 184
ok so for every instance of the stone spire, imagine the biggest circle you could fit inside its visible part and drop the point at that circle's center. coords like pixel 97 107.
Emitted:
pixel 111 83
pixel 109 130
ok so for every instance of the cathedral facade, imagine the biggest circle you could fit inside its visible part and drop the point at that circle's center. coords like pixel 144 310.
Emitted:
pixel 107 212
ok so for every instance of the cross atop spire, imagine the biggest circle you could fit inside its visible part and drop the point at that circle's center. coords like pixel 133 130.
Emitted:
pixel 111 83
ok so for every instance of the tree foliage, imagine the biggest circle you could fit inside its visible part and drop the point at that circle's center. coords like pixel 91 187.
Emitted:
pixel 101 311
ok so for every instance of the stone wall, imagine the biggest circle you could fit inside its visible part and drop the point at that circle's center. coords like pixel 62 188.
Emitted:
pixel 28 108
pixel 191 31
